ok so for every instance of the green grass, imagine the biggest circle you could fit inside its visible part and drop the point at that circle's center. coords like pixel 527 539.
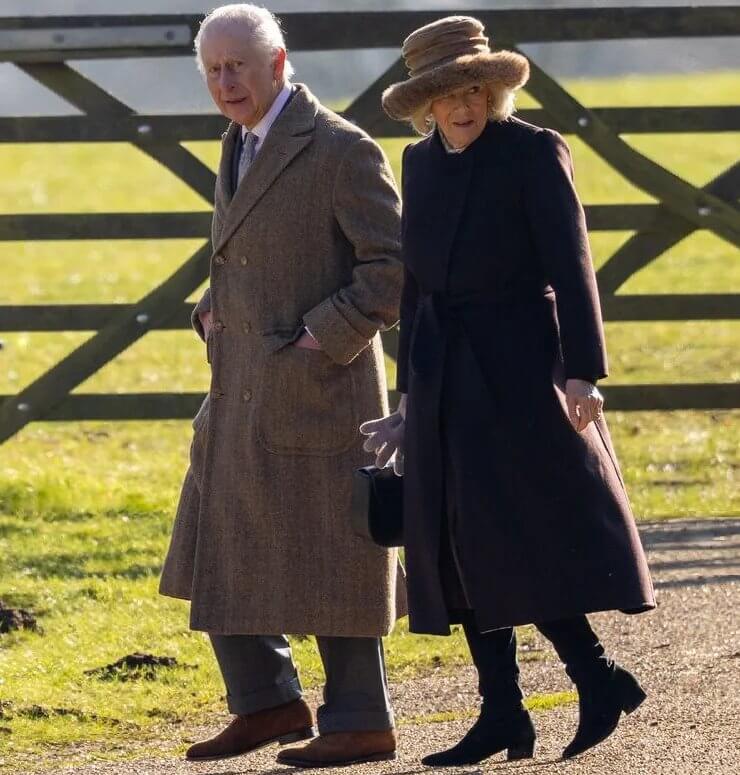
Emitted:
pixel 86 508
pixel 535 702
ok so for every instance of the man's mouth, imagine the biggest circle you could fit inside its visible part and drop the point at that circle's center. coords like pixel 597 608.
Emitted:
pixel 236 101
pixel 464 124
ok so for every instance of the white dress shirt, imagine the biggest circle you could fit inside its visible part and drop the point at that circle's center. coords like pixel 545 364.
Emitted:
pixel 264 125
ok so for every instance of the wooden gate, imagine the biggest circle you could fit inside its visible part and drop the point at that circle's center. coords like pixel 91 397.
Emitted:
pixel 40 47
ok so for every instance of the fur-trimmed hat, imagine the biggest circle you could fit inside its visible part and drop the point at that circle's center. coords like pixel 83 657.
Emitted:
pixel 445 55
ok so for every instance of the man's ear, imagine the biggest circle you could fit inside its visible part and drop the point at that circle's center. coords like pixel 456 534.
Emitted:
pixel 279 64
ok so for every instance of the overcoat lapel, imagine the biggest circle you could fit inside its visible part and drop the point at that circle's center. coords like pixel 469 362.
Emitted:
pixel 289 135
pixel 224 193
pixel 438 198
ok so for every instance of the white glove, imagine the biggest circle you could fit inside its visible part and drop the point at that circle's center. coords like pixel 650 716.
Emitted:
pixel 385 439
pixel 584 401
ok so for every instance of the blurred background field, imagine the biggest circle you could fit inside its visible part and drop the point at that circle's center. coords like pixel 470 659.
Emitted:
pixel 86 508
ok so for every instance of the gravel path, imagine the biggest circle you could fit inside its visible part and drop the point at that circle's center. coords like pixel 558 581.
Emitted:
pixel 686 654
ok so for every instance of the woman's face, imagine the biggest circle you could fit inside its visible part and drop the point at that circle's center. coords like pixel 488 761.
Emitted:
pixel 462 114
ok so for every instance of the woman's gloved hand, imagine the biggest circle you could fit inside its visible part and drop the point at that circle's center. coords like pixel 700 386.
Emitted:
pixel 385 438
pixel 584 401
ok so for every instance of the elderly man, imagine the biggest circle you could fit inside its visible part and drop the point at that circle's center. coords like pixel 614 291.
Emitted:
pixel 305 272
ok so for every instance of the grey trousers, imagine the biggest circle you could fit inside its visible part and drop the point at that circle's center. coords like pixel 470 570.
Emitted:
pixel 259 673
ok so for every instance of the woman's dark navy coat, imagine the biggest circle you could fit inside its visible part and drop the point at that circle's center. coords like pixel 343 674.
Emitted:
pixel 500 307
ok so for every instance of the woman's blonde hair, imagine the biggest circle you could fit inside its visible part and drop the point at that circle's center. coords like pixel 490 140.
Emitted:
pixel 500 107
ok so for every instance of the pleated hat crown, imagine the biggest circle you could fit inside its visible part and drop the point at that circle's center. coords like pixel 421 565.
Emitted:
pixel 442 42
pixel 446 54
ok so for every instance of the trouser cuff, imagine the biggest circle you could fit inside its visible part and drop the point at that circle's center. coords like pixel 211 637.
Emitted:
pixel 269 697
pixel 353 721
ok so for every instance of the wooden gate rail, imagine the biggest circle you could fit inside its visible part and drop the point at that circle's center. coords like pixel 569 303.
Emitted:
pixel 144 128
pixel 41 47
pixel 321 31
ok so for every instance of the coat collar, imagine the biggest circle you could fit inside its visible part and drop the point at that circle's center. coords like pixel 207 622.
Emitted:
pixel 291 133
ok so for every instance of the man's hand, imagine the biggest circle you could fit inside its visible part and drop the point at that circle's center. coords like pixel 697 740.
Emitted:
pixel 306 342
pixel 584 402
pixel 206 320
pixel 385 439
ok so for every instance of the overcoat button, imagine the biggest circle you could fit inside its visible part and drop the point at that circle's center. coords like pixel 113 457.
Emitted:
pixel 243 260
pixel 219 259
pixel 247 395
pixel 218 326
pixel 246 327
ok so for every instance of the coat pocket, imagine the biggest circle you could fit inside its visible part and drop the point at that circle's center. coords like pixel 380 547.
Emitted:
pixel 307 404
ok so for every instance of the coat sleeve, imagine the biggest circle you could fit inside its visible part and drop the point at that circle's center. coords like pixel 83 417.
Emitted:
pixel 367 209
pixel 558 227
pixel 204 305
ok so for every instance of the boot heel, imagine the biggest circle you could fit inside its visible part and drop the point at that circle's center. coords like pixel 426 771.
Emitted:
pixel 520 751
pixel 633 695
pixel 296 737
pixel 633 700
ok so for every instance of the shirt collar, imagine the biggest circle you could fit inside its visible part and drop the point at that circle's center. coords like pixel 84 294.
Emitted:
pixel 448 147
pixel 263 127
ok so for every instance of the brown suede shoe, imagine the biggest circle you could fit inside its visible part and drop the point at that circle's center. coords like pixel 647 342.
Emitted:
pixel 339 749
pixel 284 724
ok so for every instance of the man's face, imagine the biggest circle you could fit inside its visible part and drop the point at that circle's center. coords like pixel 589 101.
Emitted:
pixel 242 77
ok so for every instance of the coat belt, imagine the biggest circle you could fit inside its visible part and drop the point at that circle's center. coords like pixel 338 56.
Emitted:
pixel 438 316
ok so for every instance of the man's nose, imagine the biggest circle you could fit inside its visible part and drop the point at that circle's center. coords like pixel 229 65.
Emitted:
pixel 226 82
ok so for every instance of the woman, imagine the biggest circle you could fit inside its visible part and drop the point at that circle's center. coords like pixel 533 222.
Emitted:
pixel 515 506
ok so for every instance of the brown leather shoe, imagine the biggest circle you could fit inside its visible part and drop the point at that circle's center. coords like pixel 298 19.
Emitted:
pixel 284 724
pixel 339 749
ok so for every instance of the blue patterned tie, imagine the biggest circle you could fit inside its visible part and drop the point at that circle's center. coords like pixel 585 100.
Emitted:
pixel 247 155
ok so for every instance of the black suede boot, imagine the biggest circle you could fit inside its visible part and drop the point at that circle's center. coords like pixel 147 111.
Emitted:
pixel 600 705
pixel 604 689
pixel 503 723
pixel 490 734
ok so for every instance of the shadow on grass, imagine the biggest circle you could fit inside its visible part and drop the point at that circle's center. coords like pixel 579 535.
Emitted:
pixel 8 530
pixel 70 565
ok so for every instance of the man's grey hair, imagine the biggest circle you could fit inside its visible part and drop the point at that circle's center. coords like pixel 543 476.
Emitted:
pixel 259 24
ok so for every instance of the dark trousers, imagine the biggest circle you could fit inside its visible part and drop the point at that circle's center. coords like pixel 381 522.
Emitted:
pixel 494 656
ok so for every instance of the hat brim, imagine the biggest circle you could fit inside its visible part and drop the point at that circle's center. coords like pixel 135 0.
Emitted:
pixel 402 100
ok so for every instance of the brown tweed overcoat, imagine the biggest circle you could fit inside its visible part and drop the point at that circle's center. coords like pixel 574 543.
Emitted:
pixel 262 543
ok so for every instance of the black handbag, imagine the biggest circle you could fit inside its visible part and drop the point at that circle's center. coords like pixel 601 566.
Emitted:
pixel 377 505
